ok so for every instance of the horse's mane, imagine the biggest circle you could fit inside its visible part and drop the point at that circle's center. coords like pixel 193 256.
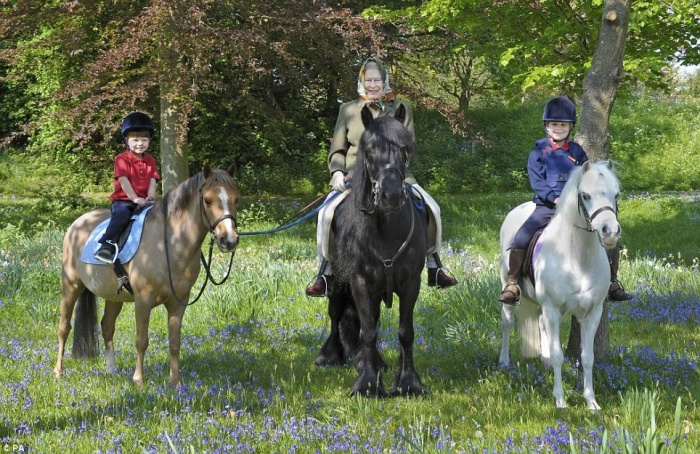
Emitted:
pixel 177 199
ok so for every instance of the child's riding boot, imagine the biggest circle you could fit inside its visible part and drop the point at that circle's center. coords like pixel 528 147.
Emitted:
pixel 616 292
pixel 511 292
pixel 319 288
pixel 437 277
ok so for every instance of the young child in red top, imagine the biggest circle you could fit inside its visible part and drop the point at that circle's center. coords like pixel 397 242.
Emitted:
pixel 135 176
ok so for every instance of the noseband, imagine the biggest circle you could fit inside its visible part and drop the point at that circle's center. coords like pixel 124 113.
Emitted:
pixel 375 185
pixel 589 218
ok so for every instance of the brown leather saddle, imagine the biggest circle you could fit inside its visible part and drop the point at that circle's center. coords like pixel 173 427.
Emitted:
pixel 527 263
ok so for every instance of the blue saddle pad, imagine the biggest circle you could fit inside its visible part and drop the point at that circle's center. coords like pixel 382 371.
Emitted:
pixel 130 246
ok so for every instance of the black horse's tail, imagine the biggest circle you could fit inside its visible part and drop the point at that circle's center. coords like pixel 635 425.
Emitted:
pixel 85 326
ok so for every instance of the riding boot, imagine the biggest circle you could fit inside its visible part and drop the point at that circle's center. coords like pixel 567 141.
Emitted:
pixel 616 292
pixel 511 292
pixel 437 277
pixel 319 288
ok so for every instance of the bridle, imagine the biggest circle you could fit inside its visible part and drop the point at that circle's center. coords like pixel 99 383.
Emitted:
pixel 207 265
pixel 389 262
pixel 375 185
pixel 589 218
pixel 211 226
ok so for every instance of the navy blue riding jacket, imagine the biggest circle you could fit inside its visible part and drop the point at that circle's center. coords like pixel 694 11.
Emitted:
pixel 548 170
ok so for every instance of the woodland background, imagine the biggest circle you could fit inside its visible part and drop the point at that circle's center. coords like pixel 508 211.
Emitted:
pixel 259 84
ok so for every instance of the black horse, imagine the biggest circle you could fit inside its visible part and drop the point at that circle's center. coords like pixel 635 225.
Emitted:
pixel 379 251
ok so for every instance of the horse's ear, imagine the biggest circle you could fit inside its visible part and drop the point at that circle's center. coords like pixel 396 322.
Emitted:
pixel 206 171
pixel 400 113
pixel 232 169
pixel 609 164
pixel 366 115
pixel 586 166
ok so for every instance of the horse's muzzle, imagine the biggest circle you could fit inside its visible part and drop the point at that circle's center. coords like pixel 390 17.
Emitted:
pixel 609 235
pixel 227 242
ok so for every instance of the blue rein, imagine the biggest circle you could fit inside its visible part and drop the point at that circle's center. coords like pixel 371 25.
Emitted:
pixel 289 225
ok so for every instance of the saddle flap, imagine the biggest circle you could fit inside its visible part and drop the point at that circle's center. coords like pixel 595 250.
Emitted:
pixel 530 255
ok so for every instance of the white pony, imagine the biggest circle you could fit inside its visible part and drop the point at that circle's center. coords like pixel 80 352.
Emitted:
pixel 571 272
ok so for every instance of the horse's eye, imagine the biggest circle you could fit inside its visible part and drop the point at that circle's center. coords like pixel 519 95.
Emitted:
pixel 207 202
pixel 585 196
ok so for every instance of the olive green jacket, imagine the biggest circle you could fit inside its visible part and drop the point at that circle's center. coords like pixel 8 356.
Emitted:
pixel 349 128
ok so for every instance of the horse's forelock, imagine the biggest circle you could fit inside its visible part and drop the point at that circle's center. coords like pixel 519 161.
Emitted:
pixel 387 134
pixel 569 196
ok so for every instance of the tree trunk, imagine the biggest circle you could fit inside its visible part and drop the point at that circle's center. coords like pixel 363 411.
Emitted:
pixel 173 124
pixel 173 149
pixel 599 93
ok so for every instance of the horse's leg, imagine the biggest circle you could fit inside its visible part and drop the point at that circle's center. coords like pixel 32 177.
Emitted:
pixel 545 340
pixel 406 381
pixel 589 326
pixel 109 319
pixel 142 313
pixel 176 312
pixel 367 360
pixel 331 353
pixel 377 315
pixel 507 323
pixel 70 290
pixel 551 318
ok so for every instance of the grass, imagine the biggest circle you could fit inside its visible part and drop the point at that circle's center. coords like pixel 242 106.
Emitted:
pixel 249 384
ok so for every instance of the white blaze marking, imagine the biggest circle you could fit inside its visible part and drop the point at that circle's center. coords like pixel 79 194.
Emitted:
pixel 228 222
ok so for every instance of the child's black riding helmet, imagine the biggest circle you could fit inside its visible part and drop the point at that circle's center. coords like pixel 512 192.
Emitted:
pixel 137 122
pixel 560 109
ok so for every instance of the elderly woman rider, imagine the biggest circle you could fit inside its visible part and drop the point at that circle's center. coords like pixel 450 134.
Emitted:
pixel 375 92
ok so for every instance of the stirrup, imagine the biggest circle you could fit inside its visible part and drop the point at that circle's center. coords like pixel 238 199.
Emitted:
pixel 319 287
pixel 517 292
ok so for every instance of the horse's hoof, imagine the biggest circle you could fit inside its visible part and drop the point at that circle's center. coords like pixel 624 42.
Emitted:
pixel 593 406
pixel 57 373
pixel 368 388
pixel 326 361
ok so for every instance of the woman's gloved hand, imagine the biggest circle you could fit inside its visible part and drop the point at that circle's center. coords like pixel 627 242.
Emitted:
pixel 338 181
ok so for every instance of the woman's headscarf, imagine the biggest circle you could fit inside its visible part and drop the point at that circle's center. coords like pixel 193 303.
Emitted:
pixel 388 95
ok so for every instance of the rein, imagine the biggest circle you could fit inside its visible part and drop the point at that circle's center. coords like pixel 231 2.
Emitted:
pixel 207 266
pixel 291 222
pixel 389 263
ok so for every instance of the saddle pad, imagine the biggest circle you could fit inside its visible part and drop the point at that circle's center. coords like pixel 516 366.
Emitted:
pixel 130 246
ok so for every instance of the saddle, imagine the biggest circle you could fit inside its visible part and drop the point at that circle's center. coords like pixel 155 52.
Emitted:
pixel 128 244
pixel 530 255
pixel 422 201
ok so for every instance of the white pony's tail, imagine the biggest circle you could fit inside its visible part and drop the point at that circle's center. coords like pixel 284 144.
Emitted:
pixel 529 316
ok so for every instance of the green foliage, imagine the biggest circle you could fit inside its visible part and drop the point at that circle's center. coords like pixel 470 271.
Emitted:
pixel 658 144
pixel 636 431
